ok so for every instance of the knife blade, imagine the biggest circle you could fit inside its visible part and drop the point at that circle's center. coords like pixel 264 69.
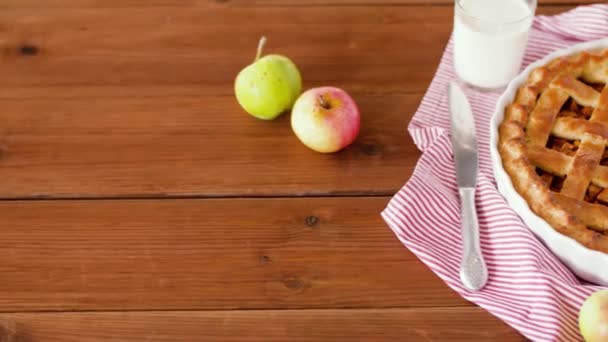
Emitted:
pixel 473 270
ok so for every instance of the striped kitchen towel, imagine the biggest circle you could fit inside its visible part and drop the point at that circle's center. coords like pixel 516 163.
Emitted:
pixel 529 288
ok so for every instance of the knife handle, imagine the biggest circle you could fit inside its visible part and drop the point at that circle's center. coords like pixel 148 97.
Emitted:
pixel 473 271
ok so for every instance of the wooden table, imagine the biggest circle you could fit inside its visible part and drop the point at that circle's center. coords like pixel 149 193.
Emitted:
pixel 139 202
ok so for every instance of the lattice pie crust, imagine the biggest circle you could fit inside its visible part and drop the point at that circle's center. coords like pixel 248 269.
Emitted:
pixel 553 145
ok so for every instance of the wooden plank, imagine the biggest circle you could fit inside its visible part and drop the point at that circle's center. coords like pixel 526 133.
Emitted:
pixel 431 324
pixel 363 49
pixel 184 146
pixel 38 4
pixel 208 254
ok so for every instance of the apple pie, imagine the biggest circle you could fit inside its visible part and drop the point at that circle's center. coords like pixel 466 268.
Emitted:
pixel 553 140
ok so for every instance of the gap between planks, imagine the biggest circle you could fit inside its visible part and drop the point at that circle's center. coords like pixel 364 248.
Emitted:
pixel 151 197
pixel 464 305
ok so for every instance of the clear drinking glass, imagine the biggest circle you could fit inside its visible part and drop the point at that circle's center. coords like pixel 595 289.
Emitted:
pixel 490 38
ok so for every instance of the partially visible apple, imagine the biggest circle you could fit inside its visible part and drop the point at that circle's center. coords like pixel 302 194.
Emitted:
pixel 269 86
pixel 325 119
pixel 593 317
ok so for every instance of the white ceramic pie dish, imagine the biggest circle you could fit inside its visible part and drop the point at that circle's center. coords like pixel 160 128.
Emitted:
pixel 588 264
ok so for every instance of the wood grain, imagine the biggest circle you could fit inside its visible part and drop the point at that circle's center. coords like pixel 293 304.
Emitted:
pixel 432 324
pixel 185 146
pixel 203 48
pixel 208 254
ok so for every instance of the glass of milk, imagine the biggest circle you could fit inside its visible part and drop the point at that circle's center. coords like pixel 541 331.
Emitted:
pixel 490 37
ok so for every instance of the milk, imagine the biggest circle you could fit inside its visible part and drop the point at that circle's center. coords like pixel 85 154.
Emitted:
pixel 490 37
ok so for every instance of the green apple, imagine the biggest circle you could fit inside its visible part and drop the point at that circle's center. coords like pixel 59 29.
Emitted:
pixel 269 86
pixel 593 317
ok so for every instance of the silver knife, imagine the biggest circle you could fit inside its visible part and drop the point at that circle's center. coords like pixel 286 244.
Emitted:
pixel 473 271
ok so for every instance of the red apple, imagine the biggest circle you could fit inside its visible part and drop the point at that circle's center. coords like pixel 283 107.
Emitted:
pixel 325 119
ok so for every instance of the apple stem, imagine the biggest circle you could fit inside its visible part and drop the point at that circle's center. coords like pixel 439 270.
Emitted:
pixel 260 48
pixel 324 102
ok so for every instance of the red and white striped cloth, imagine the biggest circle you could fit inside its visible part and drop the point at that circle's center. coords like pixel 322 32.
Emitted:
pixel 528 287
